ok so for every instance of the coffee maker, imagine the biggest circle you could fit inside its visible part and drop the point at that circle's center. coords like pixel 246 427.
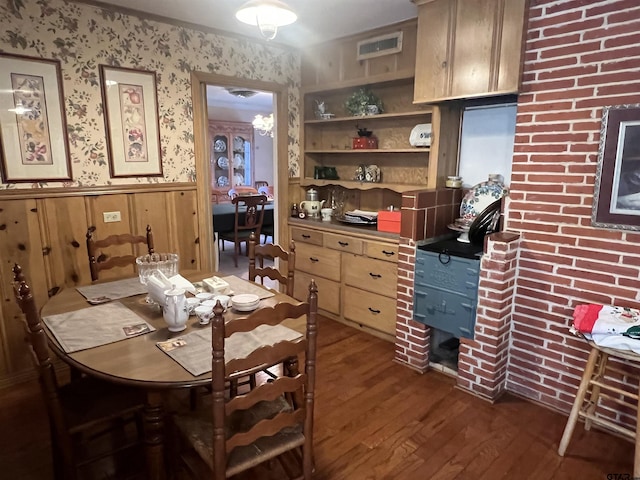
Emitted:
pixel 312 205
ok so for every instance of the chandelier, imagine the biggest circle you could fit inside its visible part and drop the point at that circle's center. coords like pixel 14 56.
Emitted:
pixel 267 15
pixel 263 125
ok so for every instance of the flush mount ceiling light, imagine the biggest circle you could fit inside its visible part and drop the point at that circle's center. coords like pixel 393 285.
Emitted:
pixel 263 125
pixel 267 15
pixel 241 92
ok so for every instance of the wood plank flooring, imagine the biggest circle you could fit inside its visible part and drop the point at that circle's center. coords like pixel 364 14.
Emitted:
pixel 376 419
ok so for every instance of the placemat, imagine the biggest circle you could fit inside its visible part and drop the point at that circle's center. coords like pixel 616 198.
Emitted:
pixel 193 350
pixel 240 286
pixel 95 326
pixel 106 292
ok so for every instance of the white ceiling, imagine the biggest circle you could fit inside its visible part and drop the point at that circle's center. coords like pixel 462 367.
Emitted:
pixel 318 20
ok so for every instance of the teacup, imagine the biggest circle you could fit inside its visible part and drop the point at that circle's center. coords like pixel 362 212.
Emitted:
pixel 192 303
pixel 326 214
pixel 204 314
pixel 209 303
pixel 224 300
pixel 204 296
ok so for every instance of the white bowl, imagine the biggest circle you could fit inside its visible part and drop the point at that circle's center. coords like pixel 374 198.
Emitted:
pixel 246 308
pixel 245 299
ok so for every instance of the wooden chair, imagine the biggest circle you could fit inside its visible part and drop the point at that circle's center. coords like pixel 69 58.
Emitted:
pixel 600 382
pixel 259 252
pixel 260 183
pixel 99 261
pixel 237 434
pixel 248 218
pixel 83 413
pixel 241 191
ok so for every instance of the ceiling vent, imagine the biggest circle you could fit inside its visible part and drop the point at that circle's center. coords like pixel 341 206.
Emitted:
pixel 379 46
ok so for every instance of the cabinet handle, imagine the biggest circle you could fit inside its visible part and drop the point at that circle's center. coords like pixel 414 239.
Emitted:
pixel 444 257
pixel 343 244
pixel 375 275
pixel 373 310
pixel 388 254
pixel 304 235
pixel 314 259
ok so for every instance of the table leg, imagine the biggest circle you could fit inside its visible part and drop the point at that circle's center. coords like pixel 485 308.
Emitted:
pixel 154 435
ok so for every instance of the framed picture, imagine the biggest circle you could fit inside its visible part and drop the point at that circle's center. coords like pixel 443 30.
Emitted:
pixel 131 121
pixel 616 202
pixel 33 128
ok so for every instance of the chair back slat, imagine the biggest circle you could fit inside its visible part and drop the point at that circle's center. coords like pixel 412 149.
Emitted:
pixel 257 254
pixel 266 316
pixel 269 392
pixel 266 428
pixel 99 260
pixel 264 357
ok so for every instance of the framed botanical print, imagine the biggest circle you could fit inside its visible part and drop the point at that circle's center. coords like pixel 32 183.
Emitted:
pixel 33 129
pixel 616 201
pixel 131 121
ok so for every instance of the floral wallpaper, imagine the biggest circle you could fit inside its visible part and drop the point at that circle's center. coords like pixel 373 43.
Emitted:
pixel 82 37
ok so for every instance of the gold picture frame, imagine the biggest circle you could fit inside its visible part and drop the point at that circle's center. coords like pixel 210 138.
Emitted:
pixel 131 121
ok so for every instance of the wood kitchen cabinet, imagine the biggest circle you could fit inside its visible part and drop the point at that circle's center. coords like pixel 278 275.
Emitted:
pixel 356 274
pixel 231 161
pixel 468 48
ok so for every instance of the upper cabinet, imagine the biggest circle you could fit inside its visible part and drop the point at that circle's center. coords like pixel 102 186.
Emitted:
pixel 231 156
pixel 468 48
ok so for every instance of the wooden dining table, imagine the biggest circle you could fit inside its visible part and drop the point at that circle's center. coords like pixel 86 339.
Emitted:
pixel 138 362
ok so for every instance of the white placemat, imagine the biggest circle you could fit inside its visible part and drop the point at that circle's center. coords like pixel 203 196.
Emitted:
pixel 193 350
pixel 239 286
pixel 95 326
pixel 106 292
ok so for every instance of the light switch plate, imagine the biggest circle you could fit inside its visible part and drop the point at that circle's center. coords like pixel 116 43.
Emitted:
pixel 111 217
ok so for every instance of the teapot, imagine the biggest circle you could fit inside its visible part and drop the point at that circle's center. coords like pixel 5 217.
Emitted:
pixel 312 207
pixel 175 310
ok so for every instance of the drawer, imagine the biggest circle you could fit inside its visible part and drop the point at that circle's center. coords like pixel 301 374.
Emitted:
pixel 457 274
pixel 319 261
pixel 369 274
pixel 328 291
pixel 381 251
pixel 370 309
pixel 344 243
pixel 308 236
pixel 450 312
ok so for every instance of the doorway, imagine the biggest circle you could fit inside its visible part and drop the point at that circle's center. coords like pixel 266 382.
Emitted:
pixel 200 81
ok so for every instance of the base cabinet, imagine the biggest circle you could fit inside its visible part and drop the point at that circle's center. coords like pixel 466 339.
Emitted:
pixel 357 277
pixel 446 292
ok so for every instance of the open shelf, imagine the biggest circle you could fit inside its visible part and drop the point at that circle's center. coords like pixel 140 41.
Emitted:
pixel 396 187
pixel 369 151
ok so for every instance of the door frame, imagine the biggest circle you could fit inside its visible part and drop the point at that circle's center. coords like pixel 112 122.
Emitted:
pixel 199 82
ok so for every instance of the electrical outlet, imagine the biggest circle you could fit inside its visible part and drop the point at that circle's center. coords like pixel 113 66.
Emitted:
pixel 111 217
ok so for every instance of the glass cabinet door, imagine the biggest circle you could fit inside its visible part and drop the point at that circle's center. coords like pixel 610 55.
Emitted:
pixel 241 161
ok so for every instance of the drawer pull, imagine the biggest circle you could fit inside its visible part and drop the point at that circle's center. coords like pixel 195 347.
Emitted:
pixel 444 257
pixel 375 275
pixel 388 254
pixel 343 244
pixel 304 235
pixel 314 259
pixel 373 310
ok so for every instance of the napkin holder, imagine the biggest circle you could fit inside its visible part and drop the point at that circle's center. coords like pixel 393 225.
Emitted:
pixel 216 285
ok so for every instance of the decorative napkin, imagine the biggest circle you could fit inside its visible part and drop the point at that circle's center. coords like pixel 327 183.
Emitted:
pixel 106 292
pixel 609 326
pixel 95 326
pixel 239 286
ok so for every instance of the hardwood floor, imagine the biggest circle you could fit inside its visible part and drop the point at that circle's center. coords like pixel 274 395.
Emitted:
pixel 376 419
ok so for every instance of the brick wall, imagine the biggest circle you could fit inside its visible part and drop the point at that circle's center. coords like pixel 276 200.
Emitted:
pixel 580 56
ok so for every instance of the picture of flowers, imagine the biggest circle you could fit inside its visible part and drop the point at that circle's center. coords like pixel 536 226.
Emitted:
pixel 131 120
pixel 32 121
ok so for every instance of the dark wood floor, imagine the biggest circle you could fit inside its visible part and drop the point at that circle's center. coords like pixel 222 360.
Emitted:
pixel 376 419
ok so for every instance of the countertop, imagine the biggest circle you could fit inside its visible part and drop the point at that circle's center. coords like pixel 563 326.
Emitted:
pixel 336 226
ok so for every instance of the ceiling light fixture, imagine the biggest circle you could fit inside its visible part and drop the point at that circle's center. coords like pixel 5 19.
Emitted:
pixel 263 125
pixel 241 92
pixel 267 15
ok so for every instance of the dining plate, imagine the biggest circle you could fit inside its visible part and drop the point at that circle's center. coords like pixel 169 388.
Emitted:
pixel 223 162
pixel 238 161
pixel 480 197
pixel 355 220
pixel 238 179
pixel 223 181
pixel 220 145
pixel 238 144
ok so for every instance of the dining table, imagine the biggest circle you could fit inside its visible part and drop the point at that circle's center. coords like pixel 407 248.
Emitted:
pixel 224 216
pixel 138 361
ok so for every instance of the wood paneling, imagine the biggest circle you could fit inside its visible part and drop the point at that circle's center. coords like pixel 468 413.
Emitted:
pixel 44 231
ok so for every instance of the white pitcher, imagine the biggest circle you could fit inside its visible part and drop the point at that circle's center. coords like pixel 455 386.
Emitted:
pixel 175 310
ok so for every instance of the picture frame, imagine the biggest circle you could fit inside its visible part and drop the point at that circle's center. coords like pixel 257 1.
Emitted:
pixel 616 202
pixel 130 102
pixel 34 145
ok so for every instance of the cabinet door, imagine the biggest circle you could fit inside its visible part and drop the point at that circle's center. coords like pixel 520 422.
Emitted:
pixel 447 311
pixel 220 161
pixel 241 161
pixel 328 291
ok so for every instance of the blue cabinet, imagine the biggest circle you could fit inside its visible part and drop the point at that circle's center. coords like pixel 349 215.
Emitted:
pixel 446 292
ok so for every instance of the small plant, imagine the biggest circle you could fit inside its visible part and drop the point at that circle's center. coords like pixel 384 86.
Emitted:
pixel 358 104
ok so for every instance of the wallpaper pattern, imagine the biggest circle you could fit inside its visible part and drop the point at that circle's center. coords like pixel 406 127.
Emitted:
pixel 82 37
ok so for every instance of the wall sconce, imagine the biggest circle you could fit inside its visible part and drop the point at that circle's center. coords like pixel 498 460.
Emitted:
pixel 263 125
pixel 267 15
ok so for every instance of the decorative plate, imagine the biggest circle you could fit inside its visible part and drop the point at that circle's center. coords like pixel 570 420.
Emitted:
pixel 238 179
pixel 223 162
pixel 480 197
pixel 356 220
pixel 223 181
pixel 220 145
pixel 238 144
pixel 238 161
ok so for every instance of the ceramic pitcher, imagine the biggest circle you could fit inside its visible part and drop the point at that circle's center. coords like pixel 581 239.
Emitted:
pixel 175 310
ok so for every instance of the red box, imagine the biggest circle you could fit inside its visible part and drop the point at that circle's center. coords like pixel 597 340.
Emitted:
pixel 389 221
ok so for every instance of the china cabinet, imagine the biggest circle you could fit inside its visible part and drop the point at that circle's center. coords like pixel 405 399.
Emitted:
pixel 231 157
pixel 468 48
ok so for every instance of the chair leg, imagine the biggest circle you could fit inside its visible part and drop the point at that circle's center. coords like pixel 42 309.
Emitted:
pixel 595 389
pixel 577 404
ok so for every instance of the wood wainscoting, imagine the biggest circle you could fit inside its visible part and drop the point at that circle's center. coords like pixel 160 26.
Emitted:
pixel 44 230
